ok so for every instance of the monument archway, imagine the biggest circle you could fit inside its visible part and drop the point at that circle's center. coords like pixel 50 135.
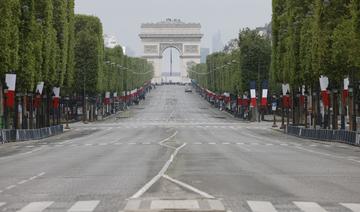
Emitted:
pixel 172 33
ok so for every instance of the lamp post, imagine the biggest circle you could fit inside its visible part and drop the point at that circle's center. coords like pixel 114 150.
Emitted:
pixel 274 107
pixel 306 93
pixel 6 124
pixel 335 109
pixel 67 110
pixel 287 108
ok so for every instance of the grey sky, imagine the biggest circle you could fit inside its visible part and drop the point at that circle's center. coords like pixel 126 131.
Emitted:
pixel 123 18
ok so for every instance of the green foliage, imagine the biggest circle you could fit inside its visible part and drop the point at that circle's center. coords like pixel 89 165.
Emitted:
pixel 89 55
pixel 313 38
pixel 233 71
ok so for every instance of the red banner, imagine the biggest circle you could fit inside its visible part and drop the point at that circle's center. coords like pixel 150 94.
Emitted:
pixel 264 102
pixel 10 99
pixel 325 98
pixel 56 102
pixel 345 95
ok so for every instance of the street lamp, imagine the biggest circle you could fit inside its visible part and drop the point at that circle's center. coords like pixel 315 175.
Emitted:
pixel 5 106
pixel 288 108
pixel 306 93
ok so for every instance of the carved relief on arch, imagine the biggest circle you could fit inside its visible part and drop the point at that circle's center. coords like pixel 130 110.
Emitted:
pixel 178 46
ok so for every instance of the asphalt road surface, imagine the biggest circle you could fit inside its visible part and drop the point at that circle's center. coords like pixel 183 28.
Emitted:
pixel 174 150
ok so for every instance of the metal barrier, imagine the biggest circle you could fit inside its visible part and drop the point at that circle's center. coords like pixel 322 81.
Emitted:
pixel 30 134
pixel 344 136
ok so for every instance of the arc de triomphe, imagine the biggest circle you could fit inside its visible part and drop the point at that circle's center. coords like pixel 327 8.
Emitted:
pixel 185 37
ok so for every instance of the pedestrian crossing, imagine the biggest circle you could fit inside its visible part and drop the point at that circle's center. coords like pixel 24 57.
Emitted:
pixel 253 206
pixel 240 144
pixel 179 126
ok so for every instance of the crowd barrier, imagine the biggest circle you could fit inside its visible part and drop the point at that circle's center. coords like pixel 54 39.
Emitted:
pixel 349 137
pixel 30 134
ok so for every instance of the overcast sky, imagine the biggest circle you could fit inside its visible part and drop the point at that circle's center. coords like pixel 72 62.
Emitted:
pixel 123 18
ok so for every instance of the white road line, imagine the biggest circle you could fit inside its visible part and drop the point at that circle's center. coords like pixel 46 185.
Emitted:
pixel 162 171
pixel 36 207
pixel 261 206
pixel 88 144
pixel 131 143
pixel 10 187
pixel 103 144
pixel 269 144
pixel 197 143
pixel 22 182
pixel 2 204
pixel 33 177
pixel 309 207
pixel 189 187
pixel 41 174
pixel 84 206
pixel 212 143
pixel 1 191
pixel 225 143
pixel 352 206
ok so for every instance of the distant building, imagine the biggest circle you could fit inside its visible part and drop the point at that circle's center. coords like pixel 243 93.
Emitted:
pixel 265 30
pixel 204 53
pixel 217 44
pixel 110 41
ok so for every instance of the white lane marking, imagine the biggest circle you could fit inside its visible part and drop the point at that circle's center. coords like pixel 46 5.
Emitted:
pixel 146 143
pixel 162 171
pixel 22 182
pixel 84 206
pixel 352 206
pixel 88 144
pixel 174 204
pixel 132 205
pixel 269 144
pixel 2 204
pixel 189 187
pixel 41 174
pixel 309 207
pixel 284 144
pixel 225 143
pixel 212 143
pixel 1 191
pixel 33 177
pixel 197 143
pixel 10 187
pixel 131 143
pixel 118 143
pixel 103 144
pixel 261 206
pixel 36 207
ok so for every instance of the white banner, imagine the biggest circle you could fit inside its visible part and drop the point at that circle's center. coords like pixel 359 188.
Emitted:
pixel 115 94
pixel 324 83
pixel 285 89
pixel 56 91
pixel 40 87
pixel 107 95
pixel 265 93
pixel 10 80
pixel 346 84
pixel 253 93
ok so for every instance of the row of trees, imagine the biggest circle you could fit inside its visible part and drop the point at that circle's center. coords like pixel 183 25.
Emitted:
pixel 243 60
pixel 312 38
pixel 37 42
pixel 44 41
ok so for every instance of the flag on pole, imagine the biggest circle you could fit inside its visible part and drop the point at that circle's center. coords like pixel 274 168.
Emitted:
pixel 345 91
pixel 286 97
pixel 56 98
pixel 10 80
pixel 107 98
pixel 324 84
pixel 265 87
pixel 253 93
